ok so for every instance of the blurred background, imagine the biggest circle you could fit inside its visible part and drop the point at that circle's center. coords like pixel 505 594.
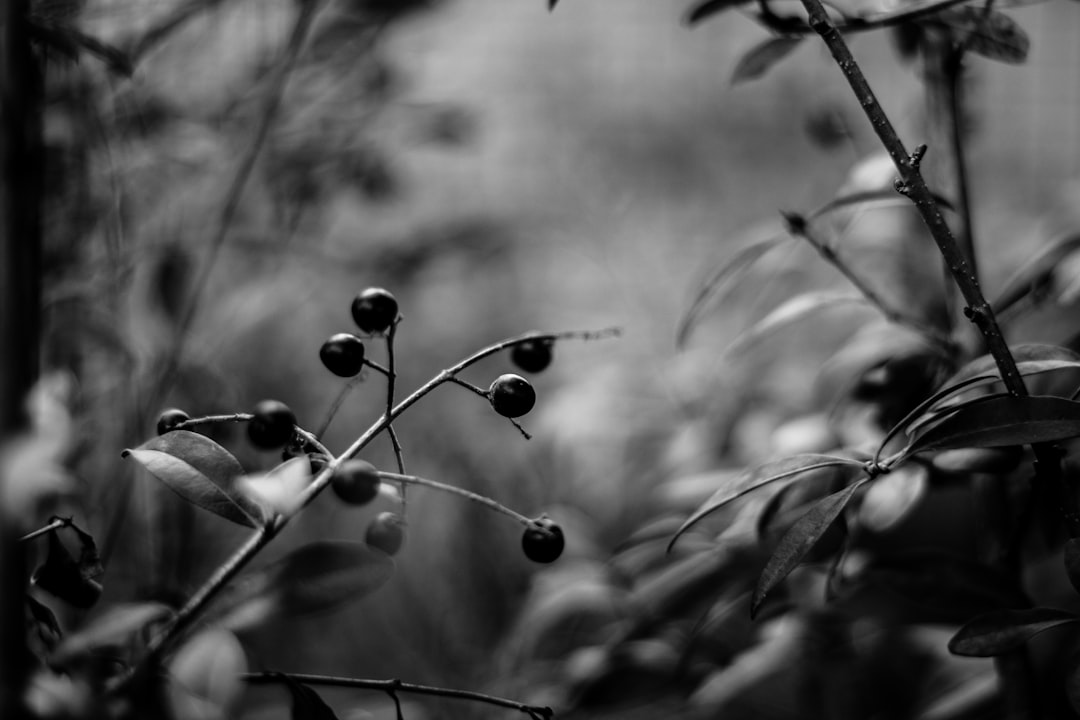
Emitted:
pixel 499 168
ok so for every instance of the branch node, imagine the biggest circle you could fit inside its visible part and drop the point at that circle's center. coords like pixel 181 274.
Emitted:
pixel 916 156
pixel 901 186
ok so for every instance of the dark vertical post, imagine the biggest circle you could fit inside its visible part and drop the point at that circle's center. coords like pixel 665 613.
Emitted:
pixel 20 309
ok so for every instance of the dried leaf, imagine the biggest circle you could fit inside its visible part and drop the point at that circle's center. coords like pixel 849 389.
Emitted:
pixel 199 470
pixel 799 540
pixel 758 59
pixel 1002 631
pixel 759 476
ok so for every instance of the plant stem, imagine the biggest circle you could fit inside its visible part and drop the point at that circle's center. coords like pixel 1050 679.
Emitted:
pixel 1015 669
pixel 486 501
pixel 54 525
pixel 394 686
pixel 391 383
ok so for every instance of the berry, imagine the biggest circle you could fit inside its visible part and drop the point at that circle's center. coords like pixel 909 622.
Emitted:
pixel 386 532
pixel 543 541
pixel 374 310
pixel 169 419
pixel 343 354
pixel 532 356
pixel 511 395
pixel 356 482
pixel 272 425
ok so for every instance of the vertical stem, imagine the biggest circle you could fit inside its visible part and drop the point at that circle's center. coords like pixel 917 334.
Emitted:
pixel 20 310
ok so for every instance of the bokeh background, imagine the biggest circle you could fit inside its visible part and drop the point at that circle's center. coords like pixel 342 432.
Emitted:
pixel 499 168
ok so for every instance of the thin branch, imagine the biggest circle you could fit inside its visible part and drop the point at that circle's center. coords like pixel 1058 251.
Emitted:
pixel 454 490
pixel 394 686
pixel 391 382
pixel 56 524
pixel 799 227
pixel 469 386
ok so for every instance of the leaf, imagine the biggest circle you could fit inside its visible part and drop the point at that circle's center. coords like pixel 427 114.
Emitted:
pixel 204 677
pixel 1002 631
pixel 306 703
pixel 758 59
pixel 199 470
pixel 799 540
pixel 1031 359
pixel 313 578
pixel 992 34
pixel 919 426
pixel 709 8
pixel 279 490
pixel 792 310
pixel 1003 421
pixel 759 476
pixel 62 576
pixel 716 287
pixel 552 4
pixel 1034 276
pixel 882 195
pixel 115 626
pixel 90 567
pixel 893 497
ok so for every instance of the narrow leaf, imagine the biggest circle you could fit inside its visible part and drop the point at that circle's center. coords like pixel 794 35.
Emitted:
pixel 1031 359
pixel 1002 631
pixel 1004 421
pixel 893 497
pixel 758 59
pixel 992 34
pixel 717 286
pixel 799 540
pixel 199 470
pixel 883 195
pixel 1033 277
pixel 115 626
pixel 793 310
pixel 935 415
pixel 760 476
pixel 709 8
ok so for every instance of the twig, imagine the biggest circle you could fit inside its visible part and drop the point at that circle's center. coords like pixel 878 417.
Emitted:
pixel 391 686
pixel 454 490
pixel 391 382
pixel 799 227
pixel 56 524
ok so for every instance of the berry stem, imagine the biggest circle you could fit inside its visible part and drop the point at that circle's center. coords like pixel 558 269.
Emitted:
pixel 336 405
pixel 454 490
pixel 395 686
pixel 213 419
pixel 263 535
pixel 469 386
pixel 391 386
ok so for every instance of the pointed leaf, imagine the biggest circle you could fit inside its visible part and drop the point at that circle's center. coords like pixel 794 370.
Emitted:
pixel 1031 359
pixel 709 8
pixel 893 497
pixel 204 682
pixel 113 627
pixel 791 311
pixel 1002 631
pixel 758 59
pixel 199 470
pixel 1004 421
pixel 717 286
pixel 887 196
pixel 759 476
pixel 306 703
pixel 992 34
pixel 1033 277
pixel 799 540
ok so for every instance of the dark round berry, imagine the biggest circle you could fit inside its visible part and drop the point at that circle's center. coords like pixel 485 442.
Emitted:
pixel 272 424
pixel 169 419
pixel 511 395
pixel 374 310
pixel 532 356
pixel 356 482
pixel 543 541
pixel 343 354
pixel 386 532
